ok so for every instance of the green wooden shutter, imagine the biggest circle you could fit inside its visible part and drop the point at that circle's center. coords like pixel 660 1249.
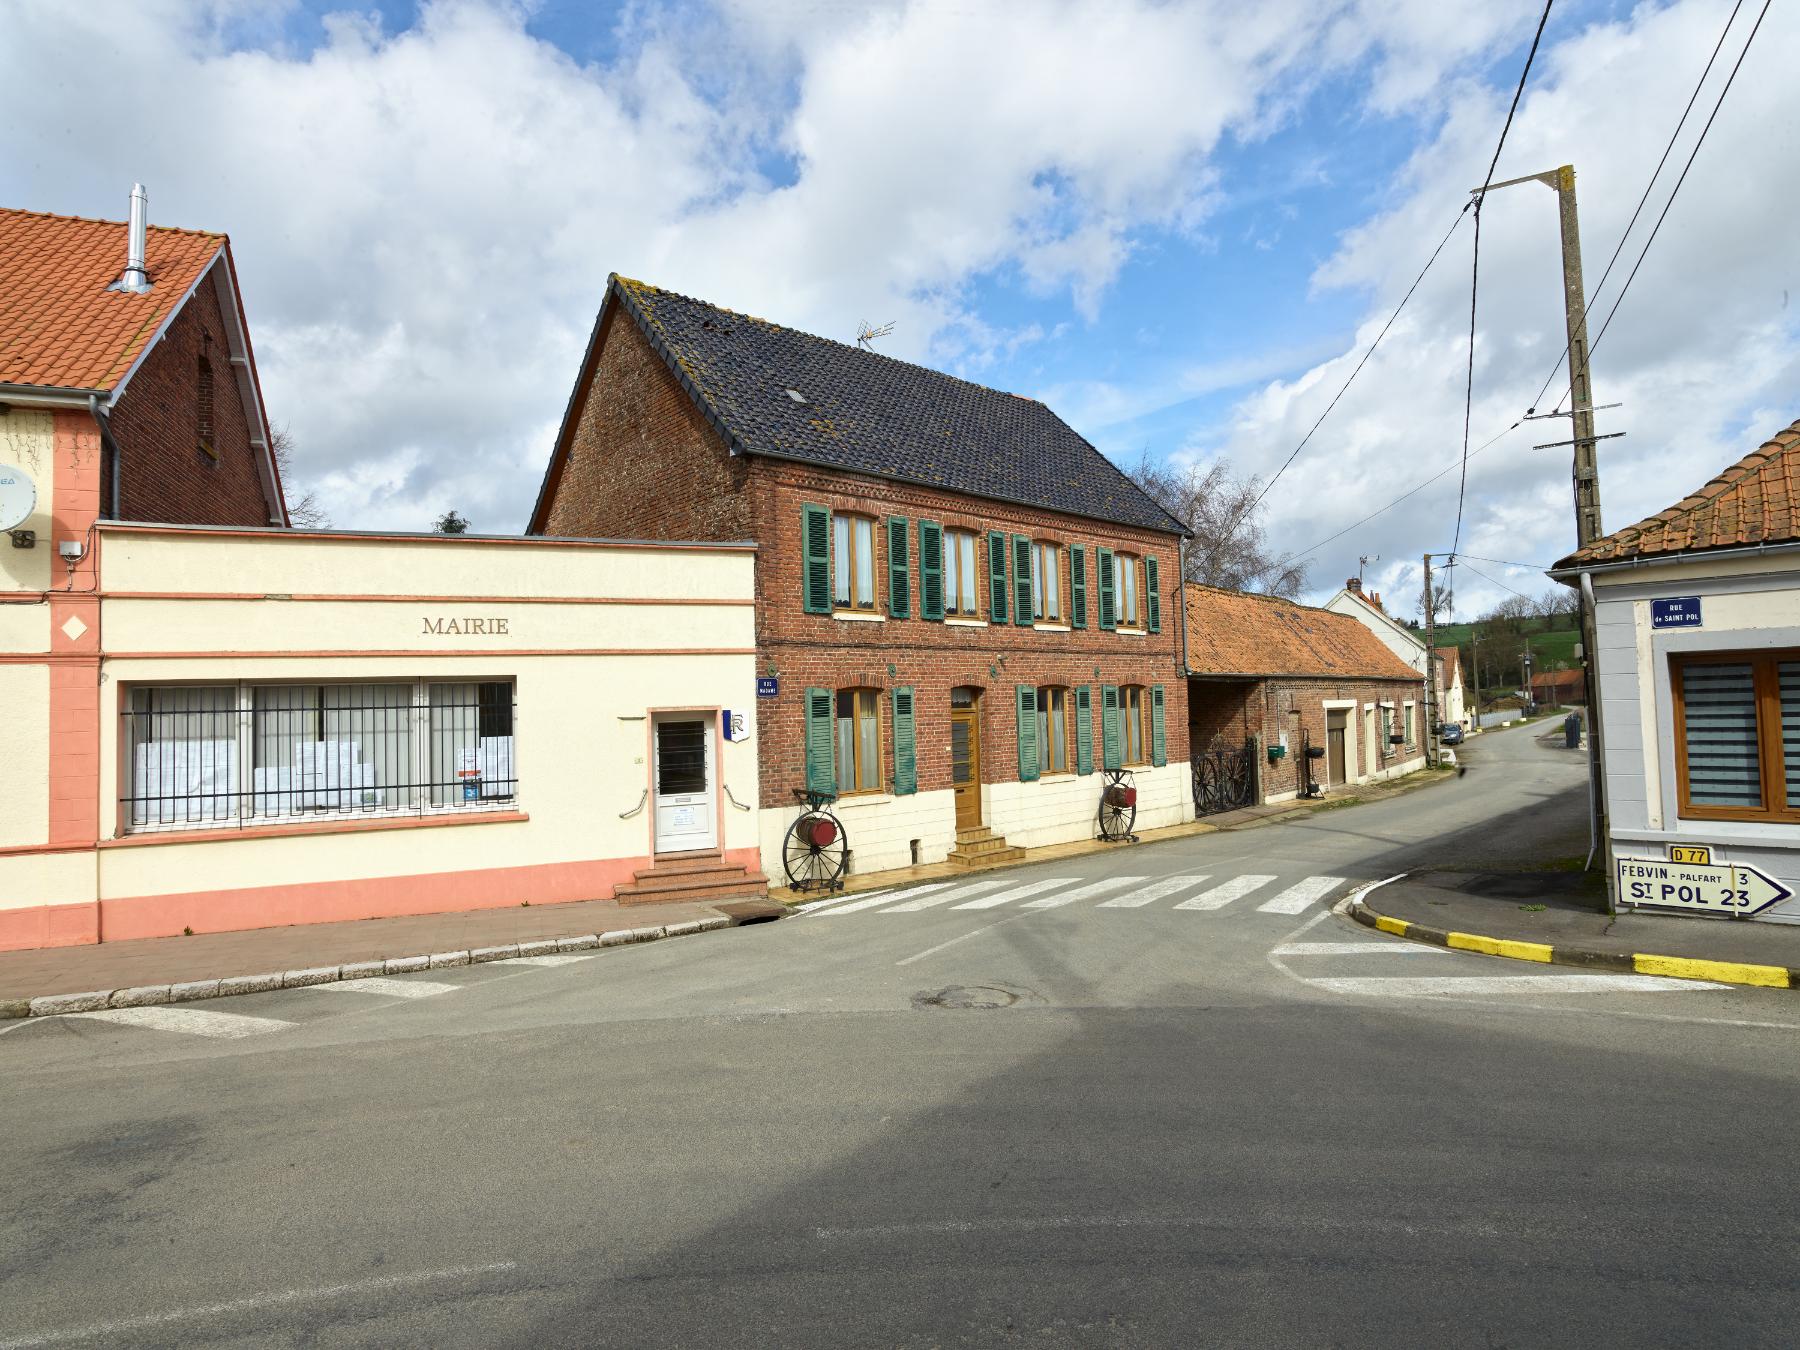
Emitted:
pixel 997 577
pixel 931 570
pixel 906 765
pixel 1112 754
pixel 1077 587
pixel 1028 751
pixel 1158 753
pixel 899 569
pixel 1152 596
pixel 1109 614
pixel 821 758
pixel 815 533
pixel 1084 729
pixel 1022 606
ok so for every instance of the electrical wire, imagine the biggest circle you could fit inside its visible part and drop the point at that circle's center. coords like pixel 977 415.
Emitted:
pixel 1496 581
pixel 1502 562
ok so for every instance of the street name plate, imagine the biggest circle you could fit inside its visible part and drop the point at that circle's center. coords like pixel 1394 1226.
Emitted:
pixel 1721 888
pixel 1679 612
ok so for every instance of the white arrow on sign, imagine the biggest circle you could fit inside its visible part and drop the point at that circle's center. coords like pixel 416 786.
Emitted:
pixel 1724 888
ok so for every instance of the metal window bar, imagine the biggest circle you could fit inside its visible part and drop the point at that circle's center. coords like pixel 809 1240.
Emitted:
pixel 232 756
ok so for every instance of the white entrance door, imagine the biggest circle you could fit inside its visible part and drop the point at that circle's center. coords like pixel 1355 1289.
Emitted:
pixel 685 783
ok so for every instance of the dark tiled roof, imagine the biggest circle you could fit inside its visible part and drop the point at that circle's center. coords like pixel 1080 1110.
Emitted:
pixel 1755 501
pixel 871 414
pixel 1236 633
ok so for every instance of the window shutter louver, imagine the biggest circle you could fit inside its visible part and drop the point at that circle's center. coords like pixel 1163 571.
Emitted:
pixel 1111 752
pixel 1152 596
pixel 815 583
pixel 821 761
pixel 1108 602
pixel 1077 587
pixel 1084 730
pixel 931 570
pixel 1022 599
pixel 1719 715
pixel 906 765
pixel 1028 751
pixel 1158 752
pixel 997 577
pixel 899 569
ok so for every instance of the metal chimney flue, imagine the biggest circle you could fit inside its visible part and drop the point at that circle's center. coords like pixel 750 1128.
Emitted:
pixel 136 279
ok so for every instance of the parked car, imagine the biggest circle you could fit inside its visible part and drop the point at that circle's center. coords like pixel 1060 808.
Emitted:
pixel 1451 733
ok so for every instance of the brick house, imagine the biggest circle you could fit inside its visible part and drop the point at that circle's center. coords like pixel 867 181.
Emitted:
pixel 963 609
pixel 1268 679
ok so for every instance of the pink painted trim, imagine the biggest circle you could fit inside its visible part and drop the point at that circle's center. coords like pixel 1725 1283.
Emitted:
pixel 76 925
pixel 434 653
pixel 310 598
pixel 73 772
pixel 465 541
pixel 314 827
pixel 23 850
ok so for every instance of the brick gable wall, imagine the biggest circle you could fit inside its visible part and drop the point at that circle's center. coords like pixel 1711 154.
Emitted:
pixel 166 475
pixel 1221 716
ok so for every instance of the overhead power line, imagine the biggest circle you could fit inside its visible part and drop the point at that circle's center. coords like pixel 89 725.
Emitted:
pixel 1501 584
pixel 1502 562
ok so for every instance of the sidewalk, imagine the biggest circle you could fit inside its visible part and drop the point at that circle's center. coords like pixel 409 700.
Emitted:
pixel 1555 917
pixel 212 956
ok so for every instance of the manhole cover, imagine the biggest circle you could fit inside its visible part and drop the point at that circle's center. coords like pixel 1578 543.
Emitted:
pixel 967 996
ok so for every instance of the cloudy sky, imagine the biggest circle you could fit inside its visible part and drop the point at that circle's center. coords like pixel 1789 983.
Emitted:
pixel 1176 223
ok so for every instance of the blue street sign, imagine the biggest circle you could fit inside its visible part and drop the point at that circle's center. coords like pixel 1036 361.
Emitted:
pixel 1681 612
pixel 768 686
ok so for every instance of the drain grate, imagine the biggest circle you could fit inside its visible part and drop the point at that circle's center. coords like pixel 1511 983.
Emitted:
pixel 968 996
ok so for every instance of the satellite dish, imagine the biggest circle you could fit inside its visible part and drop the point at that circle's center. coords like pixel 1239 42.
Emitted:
pixel 18 497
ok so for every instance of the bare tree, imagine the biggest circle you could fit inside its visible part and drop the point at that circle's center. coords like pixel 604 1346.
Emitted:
pixel 304 512
pixel 1230 548
pixel 451 523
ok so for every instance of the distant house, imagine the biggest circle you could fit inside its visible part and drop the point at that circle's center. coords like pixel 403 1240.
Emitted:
pixel 1452 697
pixel 1274 680
pixel 1559 688
pixel 1697 652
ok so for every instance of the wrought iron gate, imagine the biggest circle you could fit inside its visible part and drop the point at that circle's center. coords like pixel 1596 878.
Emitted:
pixel 1224 778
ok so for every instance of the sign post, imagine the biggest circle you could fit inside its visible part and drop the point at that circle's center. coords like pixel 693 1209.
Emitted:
pixel 1717 888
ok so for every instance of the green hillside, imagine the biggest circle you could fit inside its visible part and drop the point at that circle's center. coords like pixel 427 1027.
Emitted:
pixel 1552 641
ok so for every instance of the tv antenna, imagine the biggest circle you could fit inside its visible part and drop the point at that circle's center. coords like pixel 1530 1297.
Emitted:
pixel 1363 562
pixel 866 333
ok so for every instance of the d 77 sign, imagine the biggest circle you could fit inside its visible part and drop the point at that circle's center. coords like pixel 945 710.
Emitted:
pixel 1721 887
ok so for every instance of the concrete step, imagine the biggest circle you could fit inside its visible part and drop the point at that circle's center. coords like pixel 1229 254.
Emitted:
pixel 712 884
pixel 687 863
pixel 1004 853
pixel 974 835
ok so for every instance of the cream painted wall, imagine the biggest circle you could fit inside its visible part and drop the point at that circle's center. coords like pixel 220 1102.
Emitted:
pixel 880 828
pixel 31 880
pixel 25 775
pixel 28 441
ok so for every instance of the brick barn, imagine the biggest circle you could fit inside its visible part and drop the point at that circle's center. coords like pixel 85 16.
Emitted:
pixel 1269 679
pixel 963 609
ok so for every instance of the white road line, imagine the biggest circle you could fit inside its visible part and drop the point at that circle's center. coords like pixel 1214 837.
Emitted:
pixel 1087 892
pixel 110 1330
pixel 1405 986
pixel 551 959
pixel 943 897
pixel 1224 893
pixel 1013 893
pixel 1301 896
pixel 377 984
pixel 882 898
pixel 1156 890
pixel 190 1021
pixel 1358 949
pixel 831 900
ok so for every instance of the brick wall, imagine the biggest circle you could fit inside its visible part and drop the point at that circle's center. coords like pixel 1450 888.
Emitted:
pixel 643 463
pixel 1267 708
pixel 167 476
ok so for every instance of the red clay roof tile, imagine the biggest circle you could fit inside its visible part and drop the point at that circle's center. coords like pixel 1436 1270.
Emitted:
pixel 1235 633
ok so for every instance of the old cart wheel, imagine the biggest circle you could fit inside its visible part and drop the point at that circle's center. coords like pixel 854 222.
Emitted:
pixel 1118 807
pixel 815 853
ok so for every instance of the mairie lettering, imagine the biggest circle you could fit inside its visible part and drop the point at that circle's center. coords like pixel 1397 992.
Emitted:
pixel 467 627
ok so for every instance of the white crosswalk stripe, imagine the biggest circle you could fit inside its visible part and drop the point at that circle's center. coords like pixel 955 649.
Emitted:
pixel 548 959
pixel 1301 896
pixel 377 984
pixel 1224 893
pixel 1413 987
pixel 1156 890
pixel 945 897
pixel 886 897
pixel 189 1021
pixel 1013 893
pixel 1087 892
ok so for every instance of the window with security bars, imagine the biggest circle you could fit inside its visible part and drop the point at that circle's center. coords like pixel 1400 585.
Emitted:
pixel 1737 735
pixel 224 756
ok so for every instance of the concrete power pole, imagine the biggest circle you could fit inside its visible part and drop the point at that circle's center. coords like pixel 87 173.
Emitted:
pixel 1431 722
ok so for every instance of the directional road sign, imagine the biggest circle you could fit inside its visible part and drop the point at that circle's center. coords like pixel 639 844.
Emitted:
pixel 1724 888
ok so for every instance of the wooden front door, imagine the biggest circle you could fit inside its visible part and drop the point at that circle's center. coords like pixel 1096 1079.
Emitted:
pixel 965 765
pixel 1334 750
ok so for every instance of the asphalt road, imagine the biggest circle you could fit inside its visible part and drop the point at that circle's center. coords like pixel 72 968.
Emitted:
pixel 1221 1116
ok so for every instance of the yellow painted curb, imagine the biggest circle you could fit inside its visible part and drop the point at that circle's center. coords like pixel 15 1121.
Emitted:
pixel 1397 927
pixel 1518 951
pixel 1728 972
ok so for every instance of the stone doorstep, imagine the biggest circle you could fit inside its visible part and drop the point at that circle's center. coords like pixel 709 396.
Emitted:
pixel 187 991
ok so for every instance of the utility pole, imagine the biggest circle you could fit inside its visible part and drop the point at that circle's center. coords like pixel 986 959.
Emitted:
pixel 1431 723
pixel 1475 668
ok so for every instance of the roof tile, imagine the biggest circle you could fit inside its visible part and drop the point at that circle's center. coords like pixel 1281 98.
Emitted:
pixel 1236 633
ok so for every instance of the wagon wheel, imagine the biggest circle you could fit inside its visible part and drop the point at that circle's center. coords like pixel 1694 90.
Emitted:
pixel 1118 807
pixel 815 852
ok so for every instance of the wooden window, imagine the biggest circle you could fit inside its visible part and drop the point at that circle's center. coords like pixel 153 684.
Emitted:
pixel 1084 729
pixel 931 570
pixel 1053 709
pixel 996 577
pixel 899 569
pixel 858 741
pixel 1736 714
pixel 1078 586
pixel 906 764
pixel 961 578
pixel 1130 612
pixel 1046 582
pixel 853 562
pixel 1134 713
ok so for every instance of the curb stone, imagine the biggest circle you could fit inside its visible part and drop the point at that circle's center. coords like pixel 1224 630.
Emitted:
pixel 1634 963
pixel 188 991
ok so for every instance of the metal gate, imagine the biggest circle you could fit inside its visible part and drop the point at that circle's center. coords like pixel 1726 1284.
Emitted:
pixel 1224 778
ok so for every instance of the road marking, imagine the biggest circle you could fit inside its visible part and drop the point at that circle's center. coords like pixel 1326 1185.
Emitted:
pixel 1224 893
pixel 1357 949
pixel 942 897
pixel 109 1330
pixel 1087 892
pixel 830 900
pixel 1406 986
pixel 1301 896
pixel 880 899
pixel 549 959
pixel 377 984
pixel 1006 897
pixel 1156 890
pixel 189 1021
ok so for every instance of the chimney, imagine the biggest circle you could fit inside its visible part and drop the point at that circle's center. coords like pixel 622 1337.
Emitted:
pixel 136 279
pixel 1354 585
